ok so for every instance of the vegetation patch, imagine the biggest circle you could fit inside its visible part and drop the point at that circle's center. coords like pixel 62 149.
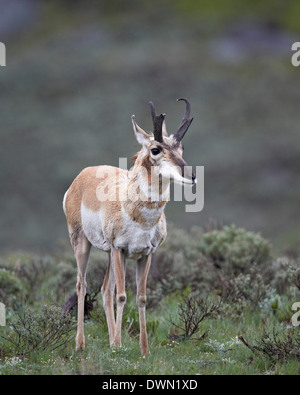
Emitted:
pixel 220 302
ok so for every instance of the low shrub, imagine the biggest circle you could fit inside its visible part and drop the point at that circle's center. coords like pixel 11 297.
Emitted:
pixel 235 250
pixel 191 313
pixel 11 288
pixel 277 346
pixel 46 330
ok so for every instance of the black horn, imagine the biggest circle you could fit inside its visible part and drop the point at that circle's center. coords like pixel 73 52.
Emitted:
pixel 157 123
pixel 186 121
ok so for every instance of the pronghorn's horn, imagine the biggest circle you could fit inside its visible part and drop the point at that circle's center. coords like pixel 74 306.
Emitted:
pixel 157 123
pixel 186 121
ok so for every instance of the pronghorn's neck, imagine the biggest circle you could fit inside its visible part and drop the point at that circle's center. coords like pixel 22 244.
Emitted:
pixel 147 193
pixel 144 173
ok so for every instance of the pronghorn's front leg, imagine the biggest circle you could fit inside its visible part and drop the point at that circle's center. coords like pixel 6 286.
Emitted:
pixel 118 262
pixel 82 251
pixel 142 270
pixel 107 290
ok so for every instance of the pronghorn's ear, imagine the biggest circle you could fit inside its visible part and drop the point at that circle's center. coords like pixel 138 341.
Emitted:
pixel 164 129
pixel 142 137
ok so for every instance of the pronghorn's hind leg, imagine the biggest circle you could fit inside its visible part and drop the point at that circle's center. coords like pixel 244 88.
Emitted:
pixel 82 248
pixel 142 270
pixel 107 290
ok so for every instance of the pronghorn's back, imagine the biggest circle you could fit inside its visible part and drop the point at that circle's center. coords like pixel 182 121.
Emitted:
pixel 84 189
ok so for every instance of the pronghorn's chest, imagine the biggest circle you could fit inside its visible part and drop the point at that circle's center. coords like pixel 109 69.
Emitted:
pixel 139 238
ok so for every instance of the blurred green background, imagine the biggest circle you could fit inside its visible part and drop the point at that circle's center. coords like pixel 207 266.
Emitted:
pixel 77 70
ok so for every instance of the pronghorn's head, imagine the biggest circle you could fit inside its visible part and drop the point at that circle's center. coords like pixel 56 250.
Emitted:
pixel 163 152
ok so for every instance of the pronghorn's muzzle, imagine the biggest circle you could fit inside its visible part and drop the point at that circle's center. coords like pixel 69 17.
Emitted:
pixel 189 174
pixel 178 172
pixel 189 177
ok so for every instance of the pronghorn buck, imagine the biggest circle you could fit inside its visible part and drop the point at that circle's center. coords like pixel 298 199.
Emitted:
pixel 122 212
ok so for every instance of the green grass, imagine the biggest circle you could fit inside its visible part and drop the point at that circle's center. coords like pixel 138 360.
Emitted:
pixel 219 353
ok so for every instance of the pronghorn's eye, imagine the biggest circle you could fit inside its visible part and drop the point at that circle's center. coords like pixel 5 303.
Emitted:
pixel 155 151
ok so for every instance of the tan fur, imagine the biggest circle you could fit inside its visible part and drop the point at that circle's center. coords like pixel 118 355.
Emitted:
pixel 84 190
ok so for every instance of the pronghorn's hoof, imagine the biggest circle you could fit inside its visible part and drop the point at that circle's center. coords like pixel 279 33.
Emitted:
pixel 80 348
pixel 116 344
pixel 80 344
pixel 145 352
